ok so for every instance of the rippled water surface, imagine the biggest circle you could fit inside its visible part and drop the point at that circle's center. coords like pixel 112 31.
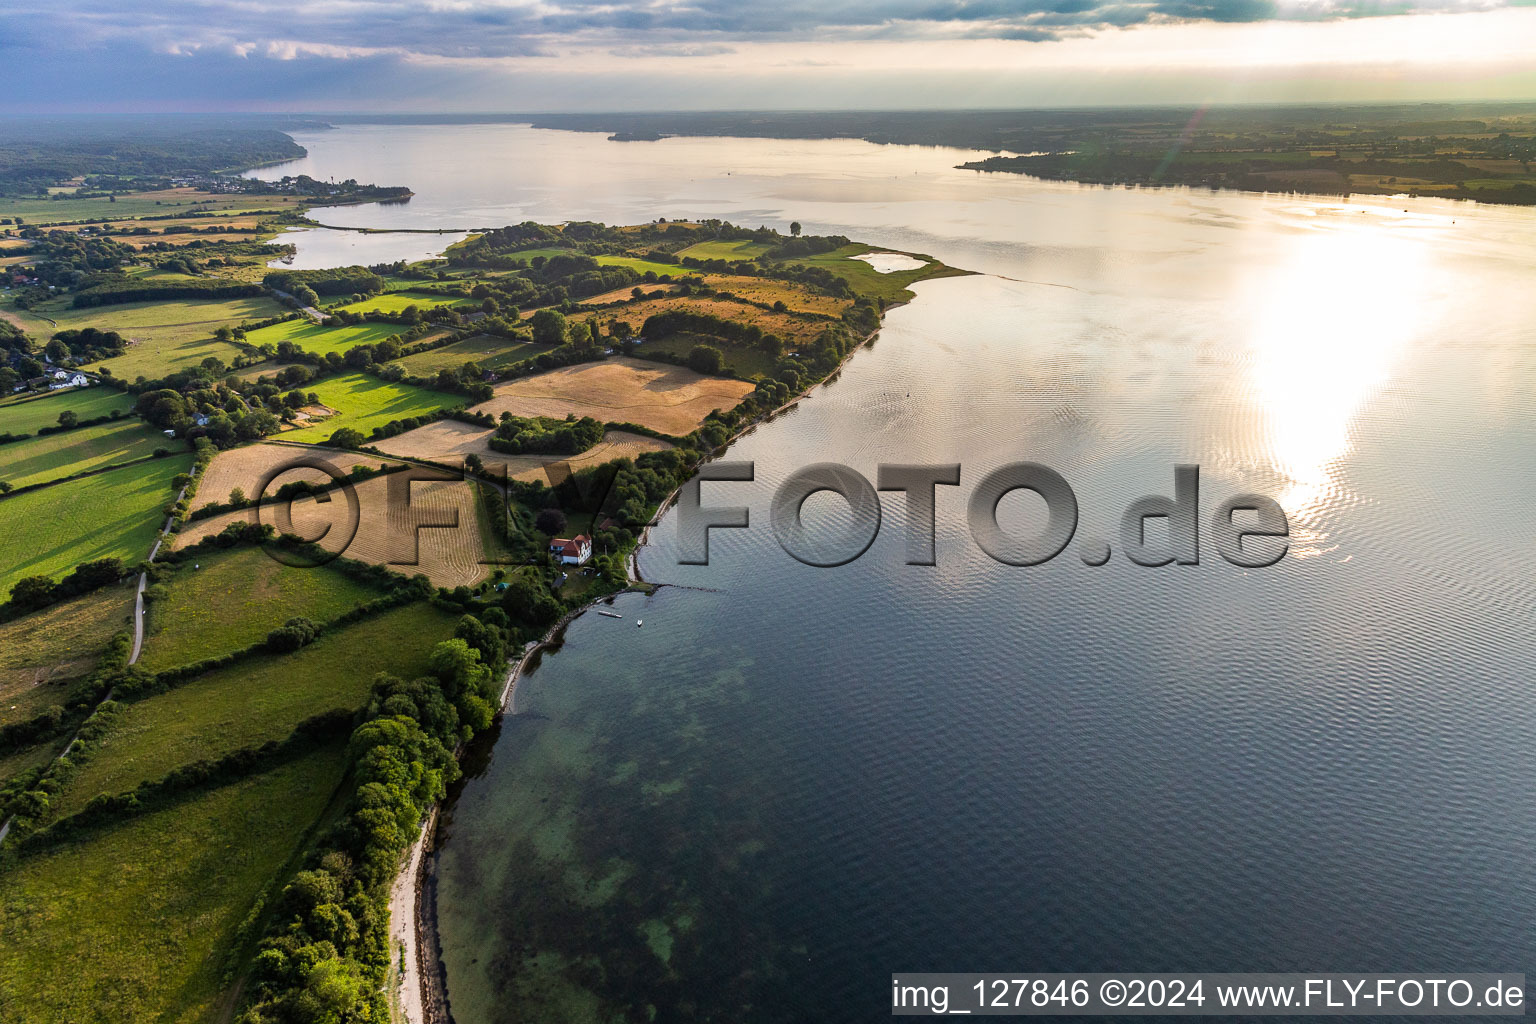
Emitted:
pixel 794 781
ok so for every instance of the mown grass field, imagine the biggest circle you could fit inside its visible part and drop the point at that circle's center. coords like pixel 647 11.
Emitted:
pixel 234 599
pixel 363 402
pixel 313 337
pixel 253 701
pixel 141 204
pixel 51 530
pixel 53 456
pixel 490 352
pixel 42 653
pixel 28 414
pixel 395 302
pixel 745 249
pixel 137 921
pixel 640 266
pixel 163 336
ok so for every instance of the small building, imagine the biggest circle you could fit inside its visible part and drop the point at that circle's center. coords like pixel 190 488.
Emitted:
pixel 572 551
pixel 79 380
pixel 199 419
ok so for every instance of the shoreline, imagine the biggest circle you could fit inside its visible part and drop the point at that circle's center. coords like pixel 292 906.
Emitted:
pixel 419 993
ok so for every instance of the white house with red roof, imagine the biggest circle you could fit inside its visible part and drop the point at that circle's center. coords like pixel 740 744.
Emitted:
pixel 572 551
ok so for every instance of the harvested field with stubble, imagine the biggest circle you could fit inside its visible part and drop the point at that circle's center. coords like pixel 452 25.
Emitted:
pixel 245 467
pixel 671 399
pixel 449 557
pixel 451 440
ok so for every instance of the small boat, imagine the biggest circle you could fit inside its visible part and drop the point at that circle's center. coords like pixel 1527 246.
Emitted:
pixel 639 622
pixel 611 615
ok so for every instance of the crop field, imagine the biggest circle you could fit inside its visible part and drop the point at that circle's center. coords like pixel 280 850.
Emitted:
pixel 245 467
pixel 671 399
pixel 136 921
pixel 489 351
pixel 141 204
pixel 42 653
pixel 163 336
pixel 793 330
pixel 51 530
pixel 313 337
pixel 363 402
pixel 745 249
pixel 451 440
pixel 255 700
pixel 448 556
pixel 28 414
pixel 233 599
pixel 68 452
pixel 395 302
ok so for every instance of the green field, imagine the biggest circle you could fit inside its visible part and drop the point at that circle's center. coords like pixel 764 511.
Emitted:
pixel 254 700
pixel 60 211
pixel 745 249
pixel 234 600
pixel 865 279
pixel 640 266
pixel 395 302
pixel 313 337
pixel 137 921
pixel 363 402
pixel 42 653
pixel 164 335
pixel 28 414
pixel 51 530
pixel 489 351
pixel 68 452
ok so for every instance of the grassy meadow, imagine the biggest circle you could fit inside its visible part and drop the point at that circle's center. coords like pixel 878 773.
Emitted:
pixel 27 414
pixel 363 402
pixel 138 920
pixel 318 339
pixel 51 530
pixel 163 335
pixel 255 700
pixel 865 279
pixel 489 351
pixel 42 653
pixel 640 266
pixel 54 456
pixel 396 302
pixel 744 249
pixel 234 600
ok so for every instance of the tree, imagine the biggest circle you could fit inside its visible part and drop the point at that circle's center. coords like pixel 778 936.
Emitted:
pixel 33 592
pixel 237 496
pixel 548 327
pixel 706 359
pixel 69 418
pixel 794 228
pixel 56 351
pixel 306 295
pixel 551 521
pixel 620 330
pixel 346 437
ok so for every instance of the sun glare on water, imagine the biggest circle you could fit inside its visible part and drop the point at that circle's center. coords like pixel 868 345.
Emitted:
pixel 1329 327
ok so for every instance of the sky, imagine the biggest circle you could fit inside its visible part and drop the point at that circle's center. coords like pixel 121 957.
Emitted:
pixel 571 55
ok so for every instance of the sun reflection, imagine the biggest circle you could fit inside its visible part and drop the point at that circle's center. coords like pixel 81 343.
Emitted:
pixel 1330 324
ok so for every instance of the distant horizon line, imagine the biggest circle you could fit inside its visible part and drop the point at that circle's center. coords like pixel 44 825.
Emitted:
pixel 525 115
